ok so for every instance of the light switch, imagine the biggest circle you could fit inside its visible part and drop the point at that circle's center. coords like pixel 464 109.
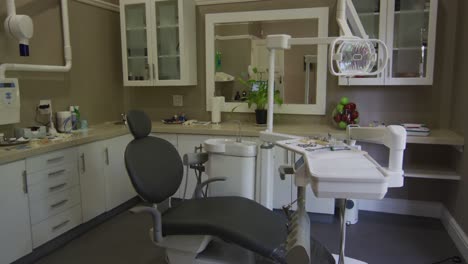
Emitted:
pixel 178 100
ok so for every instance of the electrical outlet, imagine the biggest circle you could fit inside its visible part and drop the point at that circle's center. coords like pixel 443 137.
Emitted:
pixel 178 100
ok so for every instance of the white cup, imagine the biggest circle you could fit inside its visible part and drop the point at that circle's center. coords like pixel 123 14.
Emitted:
pixel 64 122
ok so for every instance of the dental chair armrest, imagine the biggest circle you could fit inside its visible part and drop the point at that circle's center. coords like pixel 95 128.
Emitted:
pixel 198 191
pixel 157 222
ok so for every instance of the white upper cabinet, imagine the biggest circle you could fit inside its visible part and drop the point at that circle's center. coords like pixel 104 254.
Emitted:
pixel 408 27
pixel 158 42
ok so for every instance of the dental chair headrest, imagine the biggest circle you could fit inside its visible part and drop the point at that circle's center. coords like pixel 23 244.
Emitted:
pixel 139 123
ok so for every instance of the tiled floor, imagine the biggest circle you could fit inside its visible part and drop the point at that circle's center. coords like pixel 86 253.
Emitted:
pixel 377 238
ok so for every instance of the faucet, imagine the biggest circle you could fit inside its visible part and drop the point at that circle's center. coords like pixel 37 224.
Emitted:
pixel 239 131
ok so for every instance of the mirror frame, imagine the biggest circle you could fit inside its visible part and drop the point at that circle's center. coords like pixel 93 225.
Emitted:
pixel 321 13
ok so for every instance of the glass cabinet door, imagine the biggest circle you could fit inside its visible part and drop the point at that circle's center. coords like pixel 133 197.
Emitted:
pixel 167 40
pixel 372 14
pixel 411 33
pixel 137 57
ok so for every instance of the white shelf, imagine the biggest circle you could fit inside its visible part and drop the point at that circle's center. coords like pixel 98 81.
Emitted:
pixel 168 26
pixel 412 12
pixel 137 57
pixel 404 12
pixel 136 28
pixel 439 137
pixel 251 37
pixel 369 14
pixel 432 174
pixel 409 48
pixel 169 56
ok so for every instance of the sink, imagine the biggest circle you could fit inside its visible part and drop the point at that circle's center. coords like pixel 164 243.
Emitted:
pixel 230 147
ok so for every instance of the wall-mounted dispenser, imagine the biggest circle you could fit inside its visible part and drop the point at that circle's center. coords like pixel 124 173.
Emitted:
pixel 19 27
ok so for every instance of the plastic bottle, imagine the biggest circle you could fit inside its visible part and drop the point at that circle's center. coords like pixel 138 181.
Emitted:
pixel 218 61
pixel 73 117
pixel 78 117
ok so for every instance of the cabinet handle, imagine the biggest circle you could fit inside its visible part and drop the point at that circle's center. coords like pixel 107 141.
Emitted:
pixel 64 223
pixel 25 182
pixel 57 159
pixel 56 173
pixel 57 187
pixel 107 156
pixel 55 205
pixel 83 163
pixel 154 71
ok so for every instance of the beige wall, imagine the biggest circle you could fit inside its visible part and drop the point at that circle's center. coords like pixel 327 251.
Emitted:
pixel 457 200
pixel 425 104
pixel 95 81
pixel 389 104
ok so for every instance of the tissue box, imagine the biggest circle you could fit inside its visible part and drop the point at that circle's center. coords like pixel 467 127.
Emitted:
pixel 31 132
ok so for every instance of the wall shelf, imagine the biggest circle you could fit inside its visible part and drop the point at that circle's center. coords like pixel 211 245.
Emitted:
pixel 168 26
pixel 439 137
pixel 432 174
pixel 136 28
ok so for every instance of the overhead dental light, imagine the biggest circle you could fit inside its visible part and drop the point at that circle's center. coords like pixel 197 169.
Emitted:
pixel 351 54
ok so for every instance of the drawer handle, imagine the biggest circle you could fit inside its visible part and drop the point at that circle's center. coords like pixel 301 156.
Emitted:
pixel 57 187
pixel 56 173
pixel 64 223
pixel 55 159
pixel 107 156
pixel 56 205
pixel 83 163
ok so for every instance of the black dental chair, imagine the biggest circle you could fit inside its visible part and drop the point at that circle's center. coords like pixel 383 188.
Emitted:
pixel 201 230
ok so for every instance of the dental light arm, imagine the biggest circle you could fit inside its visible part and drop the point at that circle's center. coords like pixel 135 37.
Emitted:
pixel 27 31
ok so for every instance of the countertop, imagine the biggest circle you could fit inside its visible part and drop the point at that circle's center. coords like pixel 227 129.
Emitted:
pixel 110 130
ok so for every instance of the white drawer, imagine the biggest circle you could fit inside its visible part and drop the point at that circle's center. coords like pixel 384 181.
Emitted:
pixel 168 137
pixel 54 204
pixel 56 172
pixel 51 159
pixel 55 226
pixel 45 183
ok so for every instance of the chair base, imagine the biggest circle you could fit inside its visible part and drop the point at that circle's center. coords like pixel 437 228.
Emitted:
pixel 349 260
pixel 217 252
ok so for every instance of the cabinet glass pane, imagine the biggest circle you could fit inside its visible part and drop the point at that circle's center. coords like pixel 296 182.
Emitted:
pixel 167 23
pixel 137 49
pixel 410 42
pixel 369 13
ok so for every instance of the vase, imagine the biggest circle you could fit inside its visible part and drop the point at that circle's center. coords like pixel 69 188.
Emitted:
pixel 261 116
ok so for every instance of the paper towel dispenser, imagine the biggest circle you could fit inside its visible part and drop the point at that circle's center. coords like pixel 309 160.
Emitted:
pixel 9 101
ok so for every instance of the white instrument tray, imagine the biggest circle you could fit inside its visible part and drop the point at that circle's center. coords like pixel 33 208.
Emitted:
pixel 345 174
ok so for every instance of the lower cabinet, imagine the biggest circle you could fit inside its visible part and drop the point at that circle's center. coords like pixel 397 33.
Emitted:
pixel 15 226
pixel 56 225
pixel 119 189
pixel 92 180
pixel 103 177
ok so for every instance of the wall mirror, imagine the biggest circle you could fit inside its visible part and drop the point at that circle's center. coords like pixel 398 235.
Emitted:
pixel 236 49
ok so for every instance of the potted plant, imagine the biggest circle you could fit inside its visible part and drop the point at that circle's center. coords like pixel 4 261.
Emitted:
pixel 258 96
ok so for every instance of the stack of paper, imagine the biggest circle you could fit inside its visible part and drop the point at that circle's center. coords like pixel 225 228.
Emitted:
pixel 417 130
